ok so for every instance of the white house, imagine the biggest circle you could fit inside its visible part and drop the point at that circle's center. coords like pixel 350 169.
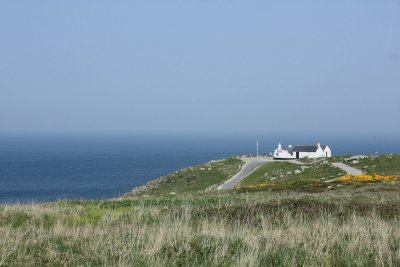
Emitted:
pixel 302 151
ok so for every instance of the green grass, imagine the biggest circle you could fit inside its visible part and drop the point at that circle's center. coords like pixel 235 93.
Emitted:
pixel 282 175
pixel 382 165
pixel 195 179
pixel 307 225
pixel 335 228
pixel 270 170
pixel 337 158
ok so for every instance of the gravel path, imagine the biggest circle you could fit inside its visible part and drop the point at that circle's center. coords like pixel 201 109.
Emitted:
pixel 349 170
pixel 250 165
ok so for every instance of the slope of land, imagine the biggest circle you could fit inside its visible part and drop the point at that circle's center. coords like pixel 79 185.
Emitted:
pixel 282 174
pixel 311 175
pixel 249 166
pixel 383 165
pixel 194 179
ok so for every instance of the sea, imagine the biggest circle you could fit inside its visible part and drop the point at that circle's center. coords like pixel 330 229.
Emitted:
pixel 41 168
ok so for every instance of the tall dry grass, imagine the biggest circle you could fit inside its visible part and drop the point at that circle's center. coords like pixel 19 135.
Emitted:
pixel 261 229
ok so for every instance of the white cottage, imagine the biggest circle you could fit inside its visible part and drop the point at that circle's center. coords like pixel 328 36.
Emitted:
pixel 302 151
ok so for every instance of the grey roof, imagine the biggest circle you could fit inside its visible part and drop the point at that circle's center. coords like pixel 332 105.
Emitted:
pixel 289 148
pixel 305 148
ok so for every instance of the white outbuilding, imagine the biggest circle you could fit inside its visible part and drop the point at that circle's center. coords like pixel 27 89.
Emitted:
pixel 302 151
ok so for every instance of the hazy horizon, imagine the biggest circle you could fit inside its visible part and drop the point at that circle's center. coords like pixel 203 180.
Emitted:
pixel 200 67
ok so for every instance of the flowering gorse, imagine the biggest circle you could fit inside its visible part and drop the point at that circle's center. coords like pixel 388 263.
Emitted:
pixel 256 186
pixel 368 178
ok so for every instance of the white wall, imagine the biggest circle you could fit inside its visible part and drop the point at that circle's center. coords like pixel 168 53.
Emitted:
pixel 328 152
pixel 282 154
pixel 312 155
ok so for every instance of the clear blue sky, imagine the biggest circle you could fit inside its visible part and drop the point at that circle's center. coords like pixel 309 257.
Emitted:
pixel 199 66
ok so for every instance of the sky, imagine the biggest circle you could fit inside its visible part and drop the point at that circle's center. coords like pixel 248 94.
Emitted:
pixel 200 66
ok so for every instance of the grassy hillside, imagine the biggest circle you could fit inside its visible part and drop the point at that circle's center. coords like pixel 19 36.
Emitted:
pixel 383 165
pixel 190 180
pixel 258 229
pixel 286 175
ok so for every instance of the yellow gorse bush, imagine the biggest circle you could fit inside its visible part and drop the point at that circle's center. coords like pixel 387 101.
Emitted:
pixel 368 178
pixel 259 186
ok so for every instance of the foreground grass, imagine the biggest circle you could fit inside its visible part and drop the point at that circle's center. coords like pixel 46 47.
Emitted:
pixel 355 228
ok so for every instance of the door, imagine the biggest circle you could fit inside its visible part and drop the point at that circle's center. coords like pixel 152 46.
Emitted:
pixel 297 155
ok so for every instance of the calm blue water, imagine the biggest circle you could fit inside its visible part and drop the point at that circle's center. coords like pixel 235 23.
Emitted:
pixel 49 168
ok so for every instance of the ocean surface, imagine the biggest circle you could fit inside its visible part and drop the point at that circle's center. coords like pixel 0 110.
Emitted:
pixel 46 168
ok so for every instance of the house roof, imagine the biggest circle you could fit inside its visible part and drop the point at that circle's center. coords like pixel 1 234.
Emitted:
pixel 305 148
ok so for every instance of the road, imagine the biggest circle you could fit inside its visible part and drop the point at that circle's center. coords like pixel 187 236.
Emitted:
pixel 349 170
pixel 250 165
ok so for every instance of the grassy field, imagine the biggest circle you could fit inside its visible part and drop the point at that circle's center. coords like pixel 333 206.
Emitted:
pixel 194 179
pixel 311 176
pixel 246 229
pixel 383 165
pixel 336 225
pixel 286 175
